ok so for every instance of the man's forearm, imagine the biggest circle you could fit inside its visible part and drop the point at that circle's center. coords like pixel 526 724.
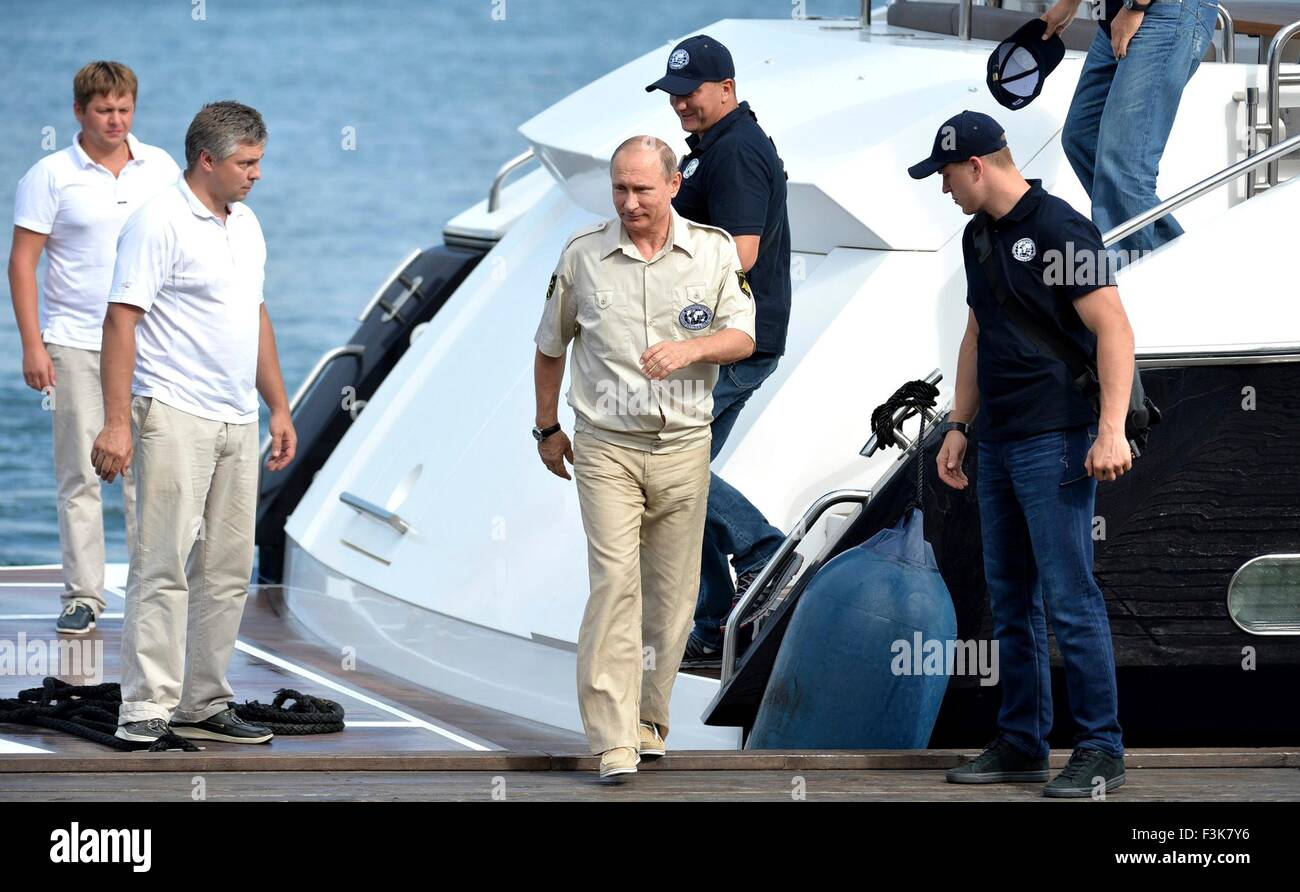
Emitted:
pixel 548 374
pixel 1115 369
pixel 116 365
pixel 966 394
pixel 22 286
pixel 270 380
pixel 728 345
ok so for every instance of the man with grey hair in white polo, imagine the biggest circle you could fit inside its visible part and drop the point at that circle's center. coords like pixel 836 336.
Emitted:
pixel 186 314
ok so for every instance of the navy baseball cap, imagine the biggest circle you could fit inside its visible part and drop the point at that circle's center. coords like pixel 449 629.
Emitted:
pixel 967 135
pixel 1019 65
pixel 692 62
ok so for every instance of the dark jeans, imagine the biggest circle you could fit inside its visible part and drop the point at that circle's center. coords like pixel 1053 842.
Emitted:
pixel 733 526
pixel 1036 511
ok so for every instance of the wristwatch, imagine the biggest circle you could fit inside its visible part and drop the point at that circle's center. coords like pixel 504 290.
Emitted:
pixel 1135 6
pixel 541 433
pixel 957 426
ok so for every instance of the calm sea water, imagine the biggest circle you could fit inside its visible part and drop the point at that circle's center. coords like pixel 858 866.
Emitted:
pixel 435 91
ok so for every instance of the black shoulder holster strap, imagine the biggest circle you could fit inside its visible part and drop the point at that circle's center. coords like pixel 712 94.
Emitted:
pixel 1142 413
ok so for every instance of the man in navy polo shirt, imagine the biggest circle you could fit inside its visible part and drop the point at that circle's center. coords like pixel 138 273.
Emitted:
pixel 1042 451
pixel 732 179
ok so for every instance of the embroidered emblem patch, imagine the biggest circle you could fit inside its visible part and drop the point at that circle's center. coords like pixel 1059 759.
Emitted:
pixel 679 60
pixel 695 317
pixel 1024 250
pixel 744 283
pixel 690 168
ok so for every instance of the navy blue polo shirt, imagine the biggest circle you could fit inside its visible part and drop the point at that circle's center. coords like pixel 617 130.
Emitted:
pixel 1049 255
pixel 734 179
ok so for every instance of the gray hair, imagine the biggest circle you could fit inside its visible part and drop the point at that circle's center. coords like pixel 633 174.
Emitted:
pixel 220 128
pixel 667 158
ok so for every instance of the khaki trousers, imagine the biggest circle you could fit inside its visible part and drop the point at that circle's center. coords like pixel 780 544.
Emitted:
pixel 196 491
pixel 644 518
pixel 78 418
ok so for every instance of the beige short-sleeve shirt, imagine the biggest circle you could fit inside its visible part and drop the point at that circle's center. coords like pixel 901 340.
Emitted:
pixel 613 304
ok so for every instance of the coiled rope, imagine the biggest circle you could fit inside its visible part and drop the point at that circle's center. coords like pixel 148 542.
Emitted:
pixel 308 715
pixel 90 712
pixel 915 397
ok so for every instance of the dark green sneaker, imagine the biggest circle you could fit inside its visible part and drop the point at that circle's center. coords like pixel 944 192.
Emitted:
pixel 1000 763
pixel 76 619
pixel 1084 774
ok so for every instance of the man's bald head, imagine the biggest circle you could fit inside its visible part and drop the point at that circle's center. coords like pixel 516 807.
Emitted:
pixel 667 158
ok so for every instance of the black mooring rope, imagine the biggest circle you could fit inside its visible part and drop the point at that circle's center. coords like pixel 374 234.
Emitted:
pixel 308 715
pixel 915 396
pixel 90 712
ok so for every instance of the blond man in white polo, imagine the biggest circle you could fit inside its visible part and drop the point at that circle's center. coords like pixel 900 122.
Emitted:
pixel 71 206
pixel 652 304
pixel 186 316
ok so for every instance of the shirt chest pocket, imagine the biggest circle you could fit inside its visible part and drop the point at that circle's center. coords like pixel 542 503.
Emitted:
pixel 693 311
pixel 601 322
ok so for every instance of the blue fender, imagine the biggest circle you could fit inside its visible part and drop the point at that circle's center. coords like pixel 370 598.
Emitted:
pixel 849 674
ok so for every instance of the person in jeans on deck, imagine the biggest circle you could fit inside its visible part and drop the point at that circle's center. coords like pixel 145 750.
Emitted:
pixel 1125 102
pixel 732 179
pixel 1042 451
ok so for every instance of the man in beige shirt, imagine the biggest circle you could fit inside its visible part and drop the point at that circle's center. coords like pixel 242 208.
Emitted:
pixel 653 303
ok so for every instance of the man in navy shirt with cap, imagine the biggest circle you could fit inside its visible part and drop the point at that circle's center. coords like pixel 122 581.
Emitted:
pixel 732 179
pixel 1042 451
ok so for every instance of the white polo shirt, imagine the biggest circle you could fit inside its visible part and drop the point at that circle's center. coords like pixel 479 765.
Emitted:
pixel 199 282
pixel 81 206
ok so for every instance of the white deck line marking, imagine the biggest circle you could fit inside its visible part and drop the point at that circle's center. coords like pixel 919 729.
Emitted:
pixel 4 616
pixel 371 701
pixel 13 746
pixel 18 567
pixel 271 658
pixel 380 724
pixel 31 585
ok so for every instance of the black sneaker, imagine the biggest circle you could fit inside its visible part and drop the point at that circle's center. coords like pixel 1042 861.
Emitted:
pixel 780 586
pixel 1079 778
pixel 141 732
pixel 225 725
pixel 700 656
pixel 1000 763
pixel 76 619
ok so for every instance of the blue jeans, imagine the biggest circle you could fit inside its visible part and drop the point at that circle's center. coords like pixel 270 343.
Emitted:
pixel 1122 112
pixel 1036 510
pixel 733 526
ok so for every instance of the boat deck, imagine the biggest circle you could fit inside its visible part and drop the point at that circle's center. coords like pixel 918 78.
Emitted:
pixel 406 742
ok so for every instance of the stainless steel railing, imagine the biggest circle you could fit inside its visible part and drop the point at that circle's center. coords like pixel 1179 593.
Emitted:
pixel 810 517
pixel 1229 28
pixel 1273 127
pixel 1191 193
pixel 494 193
